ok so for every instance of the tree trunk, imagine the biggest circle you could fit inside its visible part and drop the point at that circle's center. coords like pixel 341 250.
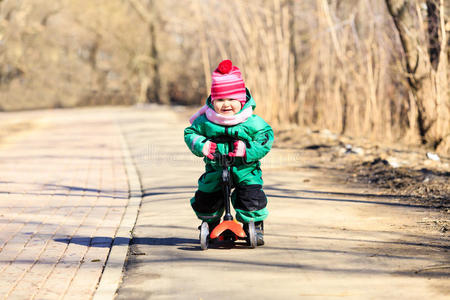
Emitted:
pixel 426 67
pixel 157 90
pixel 203 46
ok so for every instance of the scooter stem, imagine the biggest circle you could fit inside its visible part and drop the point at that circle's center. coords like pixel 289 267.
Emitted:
pixel 226 189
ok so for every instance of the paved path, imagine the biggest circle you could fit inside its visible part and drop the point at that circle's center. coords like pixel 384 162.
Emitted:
pixel 68 193
pixel 63 192
pixel 322 241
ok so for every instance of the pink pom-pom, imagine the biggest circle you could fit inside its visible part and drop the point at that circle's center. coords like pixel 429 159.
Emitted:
pixel 225 66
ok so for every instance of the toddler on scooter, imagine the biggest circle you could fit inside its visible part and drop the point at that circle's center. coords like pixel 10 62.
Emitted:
pixel 229 112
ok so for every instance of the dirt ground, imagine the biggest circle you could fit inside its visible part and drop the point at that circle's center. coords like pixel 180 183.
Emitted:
pixel 410 175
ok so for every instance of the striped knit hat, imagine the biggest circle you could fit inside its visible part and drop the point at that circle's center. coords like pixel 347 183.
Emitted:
pixel 227 82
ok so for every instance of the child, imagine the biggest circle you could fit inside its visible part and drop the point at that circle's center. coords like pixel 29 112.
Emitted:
pixel 229 111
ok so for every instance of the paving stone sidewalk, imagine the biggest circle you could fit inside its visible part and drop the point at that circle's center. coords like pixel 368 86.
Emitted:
pixel 63 193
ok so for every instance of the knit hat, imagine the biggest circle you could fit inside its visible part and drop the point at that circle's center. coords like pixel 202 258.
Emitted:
pixel 227 82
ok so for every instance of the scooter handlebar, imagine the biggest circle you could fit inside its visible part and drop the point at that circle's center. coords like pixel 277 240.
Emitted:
pixel 224 139
pixel 224 159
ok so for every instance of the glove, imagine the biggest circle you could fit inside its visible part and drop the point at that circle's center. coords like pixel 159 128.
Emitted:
pixel 239 149
pixel 208 149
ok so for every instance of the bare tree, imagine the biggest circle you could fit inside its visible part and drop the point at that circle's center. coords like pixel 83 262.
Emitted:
pixel 316 64
pixel 149 14
pixel 426 67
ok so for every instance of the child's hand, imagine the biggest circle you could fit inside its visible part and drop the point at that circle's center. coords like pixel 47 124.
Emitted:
pixel 208 149
pixel 239 149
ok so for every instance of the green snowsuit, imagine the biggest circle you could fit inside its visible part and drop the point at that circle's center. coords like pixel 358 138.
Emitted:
pixel 248 198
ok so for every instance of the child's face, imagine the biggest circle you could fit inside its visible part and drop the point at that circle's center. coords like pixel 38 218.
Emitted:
pixel 227 107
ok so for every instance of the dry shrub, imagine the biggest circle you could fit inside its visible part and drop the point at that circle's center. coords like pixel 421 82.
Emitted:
pixel 323 64
pixel 317 64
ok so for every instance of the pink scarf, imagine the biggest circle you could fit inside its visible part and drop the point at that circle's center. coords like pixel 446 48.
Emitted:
pixel 219 119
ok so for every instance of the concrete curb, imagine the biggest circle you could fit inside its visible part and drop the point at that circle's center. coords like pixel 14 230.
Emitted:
pixel 112 272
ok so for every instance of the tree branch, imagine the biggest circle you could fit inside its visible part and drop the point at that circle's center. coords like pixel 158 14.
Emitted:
pixel 141 10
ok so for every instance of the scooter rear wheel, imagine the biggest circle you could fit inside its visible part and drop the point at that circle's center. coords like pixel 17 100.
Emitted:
pixel 251 239
pixel 204 236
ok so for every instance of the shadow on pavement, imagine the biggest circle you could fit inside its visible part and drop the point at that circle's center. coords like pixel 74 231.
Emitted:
pixel 106 242
pixel 165 241
pixel 367 196
pixel 98 241
pixel 269 195
pixel 45 189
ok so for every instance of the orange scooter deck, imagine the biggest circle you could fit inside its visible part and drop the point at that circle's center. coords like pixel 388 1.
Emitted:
pixel 235 227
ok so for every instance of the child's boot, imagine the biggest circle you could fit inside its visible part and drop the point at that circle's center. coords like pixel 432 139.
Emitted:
pixel 213 225
pixel 259 228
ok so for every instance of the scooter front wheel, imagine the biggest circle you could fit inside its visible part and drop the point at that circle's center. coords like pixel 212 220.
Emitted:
pixel 204 236
pixel 251 239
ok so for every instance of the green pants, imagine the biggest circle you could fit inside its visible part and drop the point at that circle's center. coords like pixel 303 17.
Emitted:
pixel 247 198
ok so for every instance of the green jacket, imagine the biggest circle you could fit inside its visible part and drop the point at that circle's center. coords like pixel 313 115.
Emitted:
pixel 255 132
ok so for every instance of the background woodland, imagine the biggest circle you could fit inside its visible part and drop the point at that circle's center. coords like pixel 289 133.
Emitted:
pixel 377 69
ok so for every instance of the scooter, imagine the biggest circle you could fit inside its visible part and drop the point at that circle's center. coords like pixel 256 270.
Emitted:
pixel 228 229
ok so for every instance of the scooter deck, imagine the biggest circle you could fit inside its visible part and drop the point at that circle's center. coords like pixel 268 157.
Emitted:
pixel 236 228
